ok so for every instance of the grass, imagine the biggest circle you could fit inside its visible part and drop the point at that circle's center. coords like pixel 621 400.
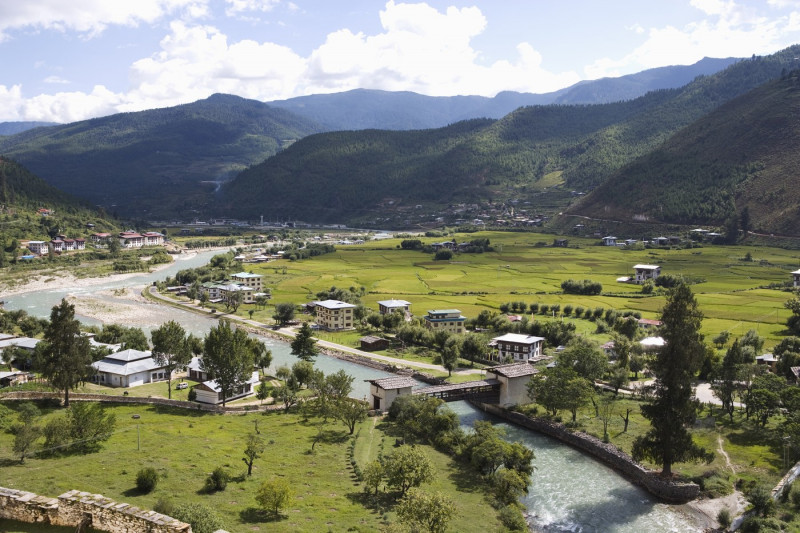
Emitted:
pixel 184 447
pixel 731 292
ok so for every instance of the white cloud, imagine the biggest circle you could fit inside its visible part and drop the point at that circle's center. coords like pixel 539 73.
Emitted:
pixel 56 80
pixel 242 6
pixel 89 17
pixel 58 107
pixel 728 29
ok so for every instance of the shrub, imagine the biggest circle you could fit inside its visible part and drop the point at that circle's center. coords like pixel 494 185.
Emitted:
pixel 443 255
pixel 585 287
pixel 192 395
pixel 164 505
pixel 724 518
pixel 567 310
pixel 146 480
pixel 217 480
pixel 202 518
pixel 762 501
pixel 511 517
pixel 795 496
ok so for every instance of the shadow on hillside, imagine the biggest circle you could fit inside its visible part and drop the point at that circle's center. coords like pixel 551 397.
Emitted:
pixel 254 515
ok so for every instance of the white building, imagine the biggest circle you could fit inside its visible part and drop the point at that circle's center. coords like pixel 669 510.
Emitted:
pixel 386 307
pixel 645 272
pixel 517 347
pixel 445 319
pixel 128 368
pixel 248 279
pixel 211 392
pixel 334 315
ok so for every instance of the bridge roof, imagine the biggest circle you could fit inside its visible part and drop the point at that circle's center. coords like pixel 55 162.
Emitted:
pixel 514 370
pixel 393 382
pixel 456 386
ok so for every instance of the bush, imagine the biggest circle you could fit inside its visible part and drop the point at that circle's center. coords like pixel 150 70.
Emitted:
pixel 202 518
pixel 585 287
pixel 724 518
pixel 164 505
pixel 762 501
pixel 146 480
pixel 443 255
pixel 217 480
pixel 511 517
pixel 192 395
pixel 795 496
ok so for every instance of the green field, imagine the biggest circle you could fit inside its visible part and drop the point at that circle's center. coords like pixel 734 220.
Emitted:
pixel 731 292
pixel 185 446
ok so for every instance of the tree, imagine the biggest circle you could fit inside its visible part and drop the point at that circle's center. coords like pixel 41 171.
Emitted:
pixel 274 495
pixel 372 475
pixel 585 358
pixel 261 354
pixel 473 348
pixel 252 451
pixel 228 356
pixel 233 299
pixel 726 381
pixel 304 344
pixel 283 372
pixel 509 486
pixel 284 313
pixel 426 512
pixel 203 298
pixel 286 394
pixel 673 408
pixel 450 353
pixel 65 358
pixel 170 349
pixel 721 339
pixel 263 391
pixel 576 392
pixel 302 372
pixel 408 467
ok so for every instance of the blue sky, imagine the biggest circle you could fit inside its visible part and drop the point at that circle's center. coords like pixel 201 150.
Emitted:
pixel 70 60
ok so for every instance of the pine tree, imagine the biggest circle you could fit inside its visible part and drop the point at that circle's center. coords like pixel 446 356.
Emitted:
pixel 304 345
pixel 673 408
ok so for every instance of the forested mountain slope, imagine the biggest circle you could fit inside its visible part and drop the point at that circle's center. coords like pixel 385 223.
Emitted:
pixel 23 195
pixel 11 128
pixel 741 156
pixel 341 176
pixel 156 161
pixel 372 109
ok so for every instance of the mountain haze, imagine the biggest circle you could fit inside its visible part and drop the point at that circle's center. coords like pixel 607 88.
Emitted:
pixel 372 109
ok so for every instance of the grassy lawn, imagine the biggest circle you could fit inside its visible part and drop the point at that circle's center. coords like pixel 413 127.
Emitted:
pixel 184 447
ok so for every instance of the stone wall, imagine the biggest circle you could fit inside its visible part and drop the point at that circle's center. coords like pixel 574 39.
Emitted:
pixel 609 454
pixel 74 508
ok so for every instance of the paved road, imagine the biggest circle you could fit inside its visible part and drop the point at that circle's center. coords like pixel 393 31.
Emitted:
pixel 290 332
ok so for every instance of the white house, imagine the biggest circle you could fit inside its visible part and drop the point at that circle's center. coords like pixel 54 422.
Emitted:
pixel 128 368
pixel 645 272
pixel 795 275
pixel 334 315
pixel 248 279
pixel 386 307
pixel 211 392
pixel 517 347
pixel 38 247
pixel 609 241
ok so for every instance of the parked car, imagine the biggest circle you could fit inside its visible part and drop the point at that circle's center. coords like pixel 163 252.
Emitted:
pixel 182 385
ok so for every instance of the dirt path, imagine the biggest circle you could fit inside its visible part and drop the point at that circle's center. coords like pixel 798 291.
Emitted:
pixel 725 454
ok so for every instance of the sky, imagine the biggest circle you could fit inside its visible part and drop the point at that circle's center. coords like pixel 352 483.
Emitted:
pixel 64 61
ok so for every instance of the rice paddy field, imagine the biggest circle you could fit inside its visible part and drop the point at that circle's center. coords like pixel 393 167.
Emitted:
pixel 733 293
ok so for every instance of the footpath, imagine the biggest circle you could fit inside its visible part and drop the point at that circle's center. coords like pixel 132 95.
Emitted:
pixel 287 334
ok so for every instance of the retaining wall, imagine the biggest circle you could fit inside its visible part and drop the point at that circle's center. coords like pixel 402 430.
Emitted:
pixel 84 397
pixel 76 508
pixel 609 454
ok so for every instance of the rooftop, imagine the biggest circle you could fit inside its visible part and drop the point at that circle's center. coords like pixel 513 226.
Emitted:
pixel 514 370
pixel 334 304
pixel 646 267
pixel 517 337
pixel 393 303
pixel 393 382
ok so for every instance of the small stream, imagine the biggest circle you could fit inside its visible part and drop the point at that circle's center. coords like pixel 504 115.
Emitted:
pixel 570 491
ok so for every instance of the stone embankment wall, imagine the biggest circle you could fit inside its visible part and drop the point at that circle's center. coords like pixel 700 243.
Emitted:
pixel 83 397
pixel 609 454
pixel 76 508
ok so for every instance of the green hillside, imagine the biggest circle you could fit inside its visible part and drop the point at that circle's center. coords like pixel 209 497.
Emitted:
pixel 22 195
pixel 347 176
pixel 159 162
pixel 741 155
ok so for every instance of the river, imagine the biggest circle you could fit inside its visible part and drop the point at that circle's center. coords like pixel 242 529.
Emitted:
pixel 569 492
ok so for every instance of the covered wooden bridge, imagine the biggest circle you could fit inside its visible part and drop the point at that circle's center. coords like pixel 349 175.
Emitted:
pixel 484 390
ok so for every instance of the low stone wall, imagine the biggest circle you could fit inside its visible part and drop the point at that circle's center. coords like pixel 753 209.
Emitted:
pixel 609 454
pixel 76 508
pixel 83 397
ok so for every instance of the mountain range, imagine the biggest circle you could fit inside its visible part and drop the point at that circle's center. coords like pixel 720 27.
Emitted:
pixel 227 156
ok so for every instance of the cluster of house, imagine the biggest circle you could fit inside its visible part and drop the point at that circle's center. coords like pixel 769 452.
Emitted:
pixel 130 238
pixel 701 234
pixel 60 244
pixel 249 285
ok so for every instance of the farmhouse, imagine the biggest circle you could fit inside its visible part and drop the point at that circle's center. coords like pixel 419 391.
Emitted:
pixel 609 241
pixel 230 288
pixel 386 307
pixel 795 275
pixel 645 272
pixel 516 347
pixel 445 319
pixel 334 315
pixel 371 343
pixel 211 392
pixel 38 247
pixel 128 368
pixel 97 238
